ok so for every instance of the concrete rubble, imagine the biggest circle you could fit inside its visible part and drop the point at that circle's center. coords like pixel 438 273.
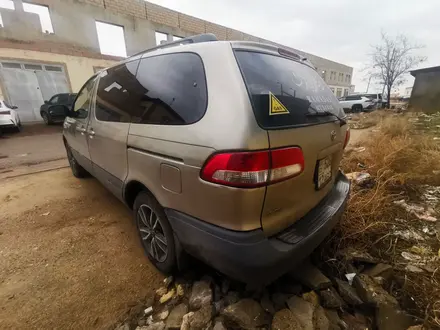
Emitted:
pixel 305 299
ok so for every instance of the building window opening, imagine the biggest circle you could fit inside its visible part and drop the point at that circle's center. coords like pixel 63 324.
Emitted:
pixel 7 4
pixel 43 13
pixel 111 39
pixel 176 38
pixel 161 38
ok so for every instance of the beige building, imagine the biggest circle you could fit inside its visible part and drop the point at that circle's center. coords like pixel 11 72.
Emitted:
pixel 37 61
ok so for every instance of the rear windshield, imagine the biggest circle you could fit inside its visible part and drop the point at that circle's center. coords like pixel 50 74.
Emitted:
pixel 284 92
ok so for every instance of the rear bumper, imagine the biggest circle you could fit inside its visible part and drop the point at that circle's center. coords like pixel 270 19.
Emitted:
pixel 7 123
pixel 251 257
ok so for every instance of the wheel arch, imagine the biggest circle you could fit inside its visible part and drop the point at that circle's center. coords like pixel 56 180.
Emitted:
pixel 132 189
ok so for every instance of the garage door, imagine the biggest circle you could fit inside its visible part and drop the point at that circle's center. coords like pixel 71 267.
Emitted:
pixel 27 85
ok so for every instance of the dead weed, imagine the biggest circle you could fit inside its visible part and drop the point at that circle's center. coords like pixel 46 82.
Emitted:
pixel 400 160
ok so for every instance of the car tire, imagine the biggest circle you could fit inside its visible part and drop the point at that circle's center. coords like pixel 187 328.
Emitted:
pixel 77 170
pixel 357 108
pixel 155 233
pixel 46 118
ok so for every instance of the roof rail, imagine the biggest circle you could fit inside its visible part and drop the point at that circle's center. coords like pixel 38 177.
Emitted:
pixel 205 37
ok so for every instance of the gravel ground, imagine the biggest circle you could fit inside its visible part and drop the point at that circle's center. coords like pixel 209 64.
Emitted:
pixel 69 254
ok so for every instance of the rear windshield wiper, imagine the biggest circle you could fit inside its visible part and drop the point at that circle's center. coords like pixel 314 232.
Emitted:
pixel 317 113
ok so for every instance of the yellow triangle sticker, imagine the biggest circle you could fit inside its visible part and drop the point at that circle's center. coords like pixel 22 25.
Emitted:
pixel 275 106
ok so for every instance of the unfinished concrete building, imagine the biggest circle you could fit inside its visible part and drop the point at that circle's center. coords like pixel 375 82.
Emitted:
pixel 39 59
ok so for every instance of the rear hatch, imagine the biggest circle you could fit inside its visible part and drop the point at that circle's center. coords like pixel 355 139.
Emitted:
pixel 296 107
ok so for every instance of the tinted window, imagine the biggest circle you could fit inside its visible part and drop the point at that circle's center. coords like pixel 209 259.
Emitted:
pixel 119 93
pixel 63 98
pixel 54 99
pixel 72 98
pixel 352 98
pixel 299 88
pixel 174 90
pixel 83 101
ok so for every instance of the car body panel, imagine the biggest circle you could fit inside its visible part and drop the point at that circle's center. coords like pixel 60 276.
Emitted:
pixel 8 120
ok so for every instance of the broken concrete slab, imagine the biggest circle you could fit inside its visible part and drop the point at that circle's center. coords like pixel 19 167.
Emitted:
pixel 320 320
pixel 201 294
pixel 267 304
pixel 201 318
pixel 372 293
pixel 280 300
pixel 351 322
pixel 245 314
pixel 382 270
pixel 285 320
pixel 331 299
pixel 351 254
pixel 311 297
pixel 175 317
pixel 391 318
pixel 348 293
pixel 311 277
pixel 302 310
pixel 334 319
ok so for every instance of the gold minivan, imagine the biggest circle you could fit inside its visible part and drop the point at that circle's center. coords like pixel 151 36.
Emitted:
pixel 227 151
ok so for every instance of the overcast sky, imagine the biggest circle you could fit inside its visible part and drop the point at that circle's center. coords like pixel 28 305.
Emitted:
pixel 340 30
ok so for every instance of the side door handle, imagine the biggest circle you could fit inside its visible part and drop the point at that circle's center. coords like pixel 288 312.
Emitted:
pixel 91 133
pixel 82 130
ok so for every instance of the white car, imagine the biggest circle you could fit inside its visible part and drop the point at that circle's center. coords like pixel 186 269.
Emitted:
pixel 8 116
pixel 357 103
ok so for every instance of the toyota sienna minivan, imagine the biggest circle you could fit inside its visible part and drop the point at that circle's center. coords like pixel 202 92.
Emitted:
pixel 227 151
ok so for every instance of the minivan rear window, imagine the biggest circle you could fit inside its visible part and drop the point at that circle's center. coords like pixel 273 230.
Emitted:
pixel 284 92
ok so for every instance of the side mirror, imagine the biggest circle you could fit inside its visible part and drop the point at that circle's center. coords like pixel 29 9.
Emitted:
pixel 14 107
pixel 46 102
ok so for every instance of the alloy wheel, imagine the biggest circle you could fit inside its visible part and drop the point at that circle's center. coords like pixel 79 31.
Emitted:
pixel 152 233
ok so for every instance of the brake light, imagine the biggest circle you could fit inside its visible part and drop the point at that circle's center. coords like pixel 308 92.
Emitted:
pixel 254 168
pixel 5 112
pixel 347 137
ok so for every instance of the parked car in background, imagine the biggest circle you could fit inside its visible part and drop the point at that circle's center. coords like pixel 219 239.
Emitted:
pixel 216 160
pixel 377 98
pixel 356 103
pixel 53 111
pixel 9 117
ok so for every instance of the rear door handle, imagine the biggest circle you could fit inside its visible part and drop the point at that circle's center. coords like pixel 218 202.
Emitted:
pixel 81 130
pixel 91 133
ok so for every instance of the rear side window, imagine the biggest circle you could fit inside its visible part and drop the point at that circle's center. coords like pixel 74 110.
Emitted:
pixel 174 90
pixel 352 98
pixel 62 98
pixel 119 93
pixel 283 91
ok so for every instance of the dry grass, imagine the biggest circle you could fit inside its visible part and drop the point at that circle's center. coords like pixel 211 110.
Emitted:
pixel 399 160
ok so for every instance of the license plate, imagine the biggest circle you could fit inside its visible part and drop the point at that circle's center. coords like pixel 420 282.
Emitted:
pixel 324 172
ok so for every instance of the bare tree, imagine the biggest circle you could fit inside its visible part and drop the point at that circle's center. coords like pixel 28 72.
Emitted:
pixel 391 59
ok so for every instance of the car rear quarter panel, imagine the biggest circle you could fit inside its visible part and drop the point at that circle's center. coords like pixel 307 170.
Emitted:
pixel 228 124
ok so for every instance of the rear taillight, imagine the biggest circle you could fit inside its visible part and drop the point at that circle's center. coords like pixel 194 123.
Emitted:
pixel 253 169
pixel 347 137
pixel 5 112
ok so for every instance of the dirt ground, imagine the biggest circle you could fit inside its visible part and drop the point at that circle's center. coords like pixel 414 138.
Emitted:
pixel 36 148
pixel 69 254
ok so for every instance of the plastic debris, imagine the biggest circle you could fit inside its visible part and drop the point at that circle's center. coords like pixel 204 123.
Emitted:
pixel 413 269
pixel 409 235
pixel 46 214
pixel 410 256
pixel 148 310
pixel 350 277
pixel 417 210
